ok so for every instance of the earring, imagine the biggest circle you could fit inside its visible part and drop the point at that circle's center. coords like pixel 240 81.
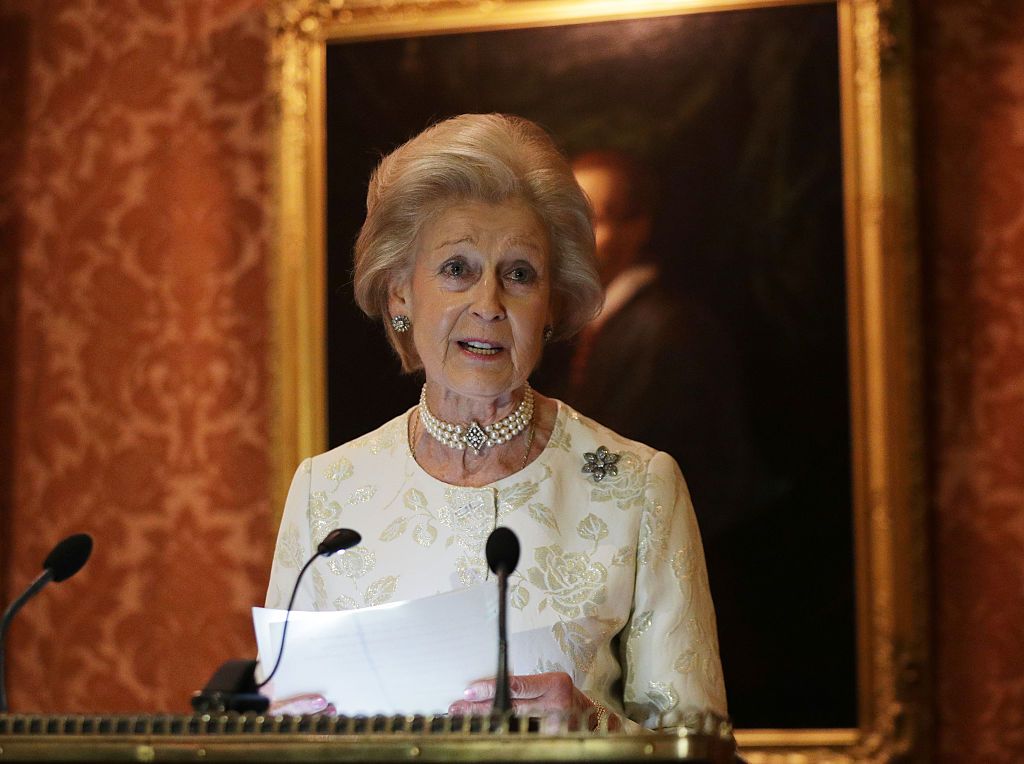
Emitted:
pixel 401 324
pixel 549 332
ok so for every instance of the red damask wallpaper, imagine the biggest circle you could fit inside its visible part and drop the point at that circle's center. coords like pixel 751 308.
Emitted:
pixel 971 115
pixel 133 338
pixel 139 225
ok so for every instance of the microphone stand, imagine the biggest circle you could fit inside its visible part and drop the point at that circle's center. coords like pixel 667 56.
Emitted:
pixel 502 549
pixel 502 697
pixel 233 686
pixel 41 580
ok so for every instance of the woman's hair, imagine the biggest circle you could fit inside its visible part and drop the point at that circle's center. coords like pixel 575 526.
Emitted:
pixel 475 157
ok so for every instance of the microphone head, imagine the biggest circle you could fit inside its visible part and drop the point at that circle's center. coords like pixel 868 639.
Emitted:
pixel 68 557
pixel 337 540
pixel 502 550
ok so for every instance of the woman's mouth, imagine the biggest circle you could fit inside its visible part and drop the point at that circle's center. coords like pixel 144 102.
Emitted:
pixel 479 347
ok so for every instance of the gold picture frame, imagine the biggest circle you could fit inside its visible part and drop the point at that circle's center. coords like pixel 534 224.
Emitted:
pixel 882 279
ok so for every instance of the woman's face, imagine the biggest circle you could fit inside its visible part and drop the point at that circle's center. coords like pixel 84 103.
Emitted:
pixel 479 296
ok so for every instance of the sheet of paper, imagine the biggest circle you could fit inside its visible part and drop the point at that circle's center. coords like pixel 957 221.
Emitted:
pixel 407 657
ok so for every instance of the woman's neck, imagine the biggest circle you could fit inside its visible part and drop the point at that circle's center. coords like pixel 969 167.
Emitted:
pixel 463 409
pixel 464 467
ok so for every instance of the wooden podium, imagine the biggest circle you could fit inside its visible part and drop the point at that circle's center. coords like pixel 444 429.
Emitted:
pixel 248 737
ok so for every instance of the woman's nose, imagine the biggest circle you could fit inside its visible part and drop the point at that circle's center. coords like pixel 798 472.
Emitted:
pixel 487 303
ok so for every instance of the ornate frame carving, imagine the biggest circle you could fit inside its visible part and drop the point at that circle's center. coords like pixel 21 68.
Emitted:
pixel 883 290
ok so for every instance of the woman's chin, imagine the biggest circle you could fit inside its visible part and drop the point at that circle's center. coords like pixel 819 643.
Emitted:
pixel 479 383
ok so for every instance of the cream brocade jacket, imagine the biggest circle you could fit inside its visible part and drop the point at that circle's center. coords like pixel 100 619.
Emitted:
pixel 614 569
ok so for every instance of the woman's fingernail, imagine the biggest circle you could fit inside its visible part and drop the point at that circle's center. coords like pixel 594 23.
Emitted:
pixel 318 704
pixel 470 693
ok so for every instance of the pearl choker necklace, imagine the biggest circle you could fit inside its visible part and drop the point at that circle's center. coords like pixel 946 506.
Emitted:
pixel 475 435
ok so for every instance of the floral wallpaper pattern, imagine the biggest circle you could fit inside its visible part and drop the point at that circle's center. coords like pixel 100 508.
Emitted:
pixel 971 117
pixel 140 395
pixel 133 198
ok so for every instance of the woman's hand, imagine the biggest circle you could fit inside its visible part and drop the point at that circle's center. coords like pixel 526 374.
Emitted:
pixel 301 705
pixel 538 695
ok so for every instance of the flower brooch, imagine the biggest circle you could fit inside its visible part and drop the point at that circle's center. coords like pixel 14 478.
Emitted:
pixel 600 463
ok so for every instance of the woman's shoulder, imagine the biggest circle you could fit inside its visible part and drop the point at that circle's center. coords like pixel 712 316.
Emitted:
pixel 588 435
pixel 387 441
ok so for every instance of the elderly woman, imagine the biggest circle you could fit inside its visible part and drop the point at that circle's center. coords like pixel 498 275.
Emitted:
pixel 477 249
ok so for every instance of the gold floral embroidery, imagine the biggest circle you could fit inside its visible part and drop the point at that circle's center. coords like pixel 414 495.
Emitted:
pixel 337 471
pixel 380 591
pixel 344 602
pixel 414 500
pixel 560 437
pixel 519 597
pixel 320 587
pixel 684 563
pixel 395 529
pixel 581 644
pixel 663 696
pixel 626 488
pixel 353 563
pixel 623 556
pixel 686 661
pixel 289 550
pixel 470 514
pixel 653 542
pixel 548 667
pixel 515 496
pixel 425 534
pixel 641 623
pixel 471 570
pixel 383 439
pixel 592 528
pixel 543 515
pixel 574 584
pixel 361 495
pixel 322 515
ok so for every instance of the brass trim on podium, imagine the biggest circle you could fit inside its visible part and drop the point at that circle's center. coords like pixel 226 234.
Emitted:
pixel 249 737
pixel 883 297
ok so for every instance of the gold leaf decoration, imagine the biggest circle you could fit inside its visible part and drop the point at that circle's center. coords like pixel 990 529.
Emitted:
pixel 381 590
pixel 663 696
pixel 641 623
pixel 592 528
pixel 414 500
pixel 361 495
pixel 395 529
pixel 519 597
pixel 517 495
pixel 289 550
pixel 425 534
pixel 344 602
pixel 543 515
pixel 624 556
pixel 338 471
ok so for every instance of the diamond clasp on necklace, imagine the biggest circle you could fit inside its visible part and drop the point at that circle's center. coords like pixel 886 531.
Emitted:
pixel 475 437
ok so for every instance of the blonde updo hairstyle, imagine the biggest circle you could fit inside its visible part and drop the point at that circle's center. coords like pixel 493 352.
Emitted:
pixel 475 157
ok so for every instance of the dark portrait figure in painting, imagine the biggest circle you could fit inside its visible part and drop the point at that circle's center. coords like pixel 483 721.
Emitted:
pixel 656 362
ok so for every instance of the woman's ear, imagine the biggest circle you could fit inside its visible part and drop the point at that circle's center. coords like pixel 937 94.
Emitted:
pixel 400 298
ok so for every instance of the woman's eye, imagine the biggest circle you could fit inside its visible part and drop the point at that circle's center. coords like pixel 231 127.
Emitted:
pixel 454 269
pixel 521 274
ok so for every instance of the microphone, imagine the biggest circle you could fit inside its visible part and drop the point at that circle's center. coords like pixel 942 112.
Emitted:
pixel 336 541
pixel 66 559
pixel 233 686
pixel 502 557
